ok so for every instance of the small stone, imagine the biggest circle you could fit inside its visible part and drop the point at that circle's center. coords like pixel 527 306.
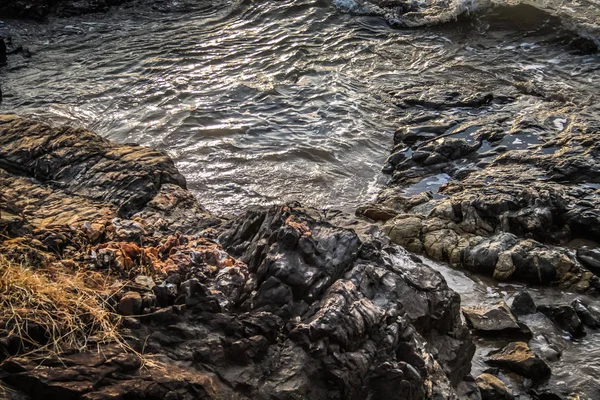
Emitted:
pixel 130 304
pixel 131 323
pixel 165 294
pixel 145 282
pixel 523 304
pixel 492 388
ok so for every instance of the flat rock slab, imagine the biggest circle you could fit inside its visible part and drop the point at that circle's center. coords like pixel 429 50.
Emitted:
pixel 494 320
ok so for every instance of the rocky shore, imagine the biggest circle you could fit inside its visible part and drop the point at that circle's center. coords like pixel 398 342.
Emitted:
pixel 278 303
pixel 502 183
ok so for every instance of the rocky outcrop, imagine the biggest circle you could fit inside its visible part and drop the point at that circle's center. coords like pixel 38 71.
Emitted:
pixel 511 196
pixel 278 303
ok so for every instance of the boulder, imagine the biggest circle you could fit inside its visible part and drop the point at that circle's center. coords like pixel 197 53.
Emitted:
pixel 517 357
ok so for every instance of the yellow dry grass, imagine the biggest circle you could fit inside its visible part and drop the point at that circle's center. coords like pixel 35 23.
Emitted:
pixel 68 304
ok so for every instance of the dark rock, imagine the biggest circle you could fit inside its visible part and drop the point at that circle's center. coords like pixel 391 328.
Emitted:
pixel 492 388
pixel 523 304
pixel 565 317
pixel 165 294
pixel 590 258
pixel 2 54
pixel 308 309
pixel 517 357
pixel 496 320
pixel 130 304
pixel 589 315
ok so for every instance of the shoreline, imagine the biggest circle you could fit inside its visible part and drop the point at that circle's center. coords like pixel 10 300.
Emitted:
pixel 291 272
pixel 244 305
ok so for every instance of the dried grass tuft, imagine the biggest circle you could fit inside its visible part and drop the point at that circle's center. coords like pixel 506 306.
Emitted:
pixel 56 310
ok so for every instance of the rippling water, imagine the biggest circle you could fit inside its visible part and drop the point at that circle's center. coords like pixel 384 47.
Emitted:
pixel 263 102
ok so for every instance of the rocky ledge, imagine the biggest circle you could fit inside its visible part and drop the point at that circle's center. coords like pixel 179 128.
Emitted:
pixel 500 180
pixel 278 303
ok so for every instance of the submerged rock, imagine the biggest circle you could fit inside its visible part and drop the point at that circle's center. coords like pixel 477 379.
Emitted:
pixel 507 214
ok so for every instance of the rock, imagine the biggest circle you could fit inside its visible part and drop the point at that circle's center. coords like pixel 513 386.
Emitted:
pixel 2 54
pixel 564 317
pixel 130 304
pixel 165 294
pixel 290 303
pixel 145 282
pixel 589 315
pixel 590 258
pixel 492 388
pixel 517 357
pixel 496 320
pixel 523 304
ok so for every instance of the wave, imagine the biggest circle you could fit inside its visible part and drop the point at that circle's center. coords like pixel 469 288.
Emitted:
pixel 582 18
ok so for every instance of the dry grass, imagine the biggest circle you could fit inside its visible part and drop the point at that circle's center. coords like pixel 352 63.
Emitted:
pixel 68 305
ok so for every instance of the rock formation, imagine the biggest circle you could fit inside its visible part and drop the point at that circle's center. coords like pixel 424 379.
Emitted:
pixel 277 303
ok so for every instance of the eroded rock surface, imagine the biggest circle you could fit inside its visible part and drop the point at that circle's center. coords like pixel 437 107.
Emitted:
pixel 500 180
pixel 286 304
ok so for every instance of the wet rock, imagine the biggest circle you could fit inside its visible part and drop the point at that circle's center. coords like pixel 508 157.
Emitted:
pixel 130 304
pixel 523 304
pixel 565 317
pixel 590 258
pixel 2 55
pixel 589 315
pixel 496 320
pixel 517 357
pixel 492 388
pixel 291 304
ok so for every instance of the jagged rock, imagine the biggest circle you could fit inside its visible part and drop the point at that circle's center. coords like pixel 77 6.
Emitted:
pixel 291 304
pixel 523 304
pixel 130 304
pixel 565 317
pixel 497 320
pixel 492 388
pixel 517 357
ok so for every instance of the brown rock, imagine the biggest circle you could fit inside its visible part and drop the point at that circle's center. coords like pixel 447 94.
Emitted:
pixel 492 388
pixel 130 304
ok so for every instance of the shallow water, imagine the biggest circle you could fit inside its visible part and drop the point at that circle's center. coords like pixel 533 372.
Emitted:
pixel 264 102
